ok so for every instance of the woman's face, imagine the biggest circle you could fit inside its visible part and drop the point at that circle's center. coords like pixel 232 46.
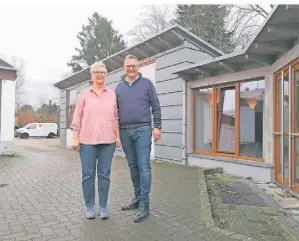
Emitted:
pixel 98 76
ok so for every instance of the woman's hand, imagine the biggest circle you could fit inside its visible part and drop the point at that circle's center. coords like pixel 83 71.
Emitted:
pixel 118 142
pixel 75 144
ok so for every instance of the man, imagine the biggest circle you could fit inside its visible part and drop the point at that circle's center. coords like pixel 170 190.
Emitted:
pixel 135 95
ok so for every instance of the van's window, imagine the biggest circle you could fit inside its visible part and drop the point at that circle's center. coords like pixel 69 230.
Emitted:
pixel 31 126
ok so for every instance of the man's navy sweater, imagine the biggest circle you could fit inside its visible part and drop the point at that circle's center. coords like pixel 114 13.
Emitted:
pixel 134 103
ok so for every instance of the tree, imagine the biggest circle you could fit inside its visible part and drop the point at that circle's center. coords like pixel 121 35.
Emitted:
pixel 151 20
pixel 98 40
pixel 21 80
pixel 244 21
pixel 48 111
pixel 226 27
pixel 207 22
pixel 26 115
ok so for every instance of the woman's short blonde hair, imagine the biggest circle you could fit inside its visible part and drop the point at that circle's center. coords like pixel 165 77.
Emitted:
pixel 96 65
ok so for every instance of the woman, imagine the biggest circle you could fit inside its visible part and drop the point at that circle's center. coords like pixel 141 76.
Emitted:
pixel 95 134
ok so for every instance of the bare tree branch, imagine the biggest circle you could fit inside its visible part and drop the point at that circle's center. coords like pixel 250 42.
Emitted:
pixel 152 19
pixel 21 80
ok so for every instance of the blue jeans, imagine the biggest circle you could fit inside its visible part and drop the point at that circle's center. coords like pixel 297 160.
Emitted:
pixel 96 157
pixel 136 143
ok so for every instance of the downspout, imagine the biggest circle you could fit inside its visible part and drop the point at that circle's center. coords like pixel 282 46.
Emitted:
pixel 184 123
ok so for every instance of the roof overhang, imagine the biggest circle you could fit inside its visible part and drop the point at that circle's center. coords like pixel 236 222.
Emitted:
pixel 167 39
pixel 7 72
pixel 278 34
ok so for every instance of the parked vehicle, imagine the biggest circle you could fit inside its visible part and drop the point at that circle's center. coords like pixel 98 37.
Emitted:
pixel 49 130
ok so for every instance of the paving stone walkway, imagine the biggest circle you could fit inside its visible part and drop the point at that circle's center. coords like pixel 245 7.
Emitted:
pixel 289 203
pixel 236 207
pixel 41 199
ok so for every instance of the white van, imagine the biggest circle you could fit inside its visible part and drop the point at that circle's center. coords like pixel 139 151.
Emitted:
pixel 37 130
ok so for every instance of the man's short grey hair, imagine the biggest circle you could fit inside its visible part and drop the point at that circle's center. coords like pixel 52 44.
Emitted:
pixel 131 57
pixel 97 65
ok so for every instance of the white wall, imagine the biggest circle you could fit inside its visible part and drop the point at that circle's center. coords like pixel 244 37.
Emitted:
pixel 69 138
pixel 7 110
pixel 149 71
pixel 240 168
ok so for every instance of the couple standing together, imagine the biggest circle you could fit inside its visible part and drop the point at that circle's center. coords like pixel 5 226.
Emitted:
pixel 103 120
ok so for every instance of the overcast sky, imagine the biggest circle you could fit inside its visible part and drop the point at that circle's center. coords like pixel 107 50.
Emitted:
pixel 44 35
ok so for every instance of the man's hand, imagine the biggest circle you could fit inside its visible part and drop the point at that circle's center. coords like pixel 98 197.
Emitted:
pixel 118 143
pixel 75 144
pixel 156 134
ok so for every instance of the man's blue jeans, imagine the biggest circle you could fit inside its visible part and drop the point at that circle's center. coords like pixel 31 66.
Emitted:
pixel 136 143
pixel 96 157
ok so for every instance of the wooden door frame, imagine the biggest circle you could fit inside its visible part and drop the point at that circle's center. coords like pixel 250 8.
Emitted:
pixel 294 68
pixel 294 65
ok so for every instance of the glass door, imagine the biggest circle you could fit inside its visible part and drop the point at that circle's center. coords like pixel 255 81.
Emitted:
pixel 281 127
pixel 295 127
pixel 286 126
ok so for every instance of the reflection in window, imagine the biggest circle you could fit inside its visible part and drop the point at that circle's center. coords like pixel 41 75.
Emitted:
pixel 203 120
pixel 297 160
pixel 251 118
pixel 296 101
pixel 286 104
pixel 226 113
pixel 32 126
pixel 286 150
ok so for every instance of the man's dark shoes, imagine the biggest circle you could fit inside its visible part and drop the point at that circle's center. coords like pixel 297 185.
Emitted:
pixel 142 213
pixel 132 205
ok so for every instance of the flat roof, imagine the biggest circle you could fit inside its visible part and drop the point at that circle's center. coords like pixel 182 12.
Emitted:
pixel 278 34
pixel 167 39
pixel 6 66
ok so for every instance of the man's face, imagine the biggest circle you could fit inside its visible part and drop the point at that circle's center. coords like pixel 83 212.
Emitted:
pixel 131 68
pixel 98 75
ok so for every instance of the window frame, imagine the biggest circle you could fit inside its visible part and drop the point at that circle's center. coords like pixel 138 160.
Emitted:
pixel 215 152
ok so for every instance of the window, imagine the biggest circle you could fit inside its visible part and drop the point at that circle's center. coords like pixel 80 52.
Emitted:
pixel 72 98
pixel 203 116
pixel 251 118
pixel 296 124
pixel 228 120
pixel 296 75
pixel 31 126
pixel 226 114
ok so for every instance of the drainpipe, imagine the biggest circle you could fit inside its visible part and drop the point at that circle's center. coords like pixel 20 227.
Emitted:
pixel 184 124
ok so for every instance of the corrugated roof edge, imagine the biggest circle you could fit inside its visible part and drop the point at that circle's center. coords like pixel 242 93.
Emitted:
pixel 235 53
pixel 7 66
pixel 188 33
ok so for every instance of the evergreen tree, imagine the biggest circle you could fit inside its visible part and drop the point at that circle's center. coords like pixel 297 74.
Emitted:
pixel 98 40
pixel 207 22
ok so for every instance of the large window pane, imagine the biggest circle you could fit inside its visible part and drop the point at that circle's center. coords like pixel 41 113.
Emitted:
pixel 286 103
pixel 226 113
pixel 251 118
pixel 297 160
pixel 286 150
pixel 279 166
pixel 203 120
pixel 297 101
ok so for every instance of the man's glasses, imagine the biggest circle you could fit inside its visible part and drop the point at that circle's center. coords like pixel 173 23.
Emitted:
pixel 131 66
pixel 99 72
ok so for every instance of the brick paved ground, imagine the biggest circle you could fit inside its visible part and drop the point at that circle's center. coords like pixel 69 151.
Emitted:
pixel 237 207
pixel 43 200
